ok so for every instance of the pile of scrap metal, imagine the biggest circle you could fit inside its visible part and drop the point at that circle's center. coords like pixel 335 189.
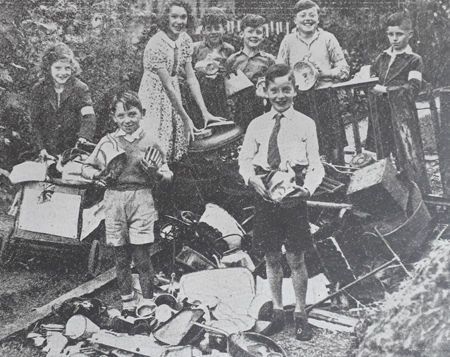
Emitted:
pixel 211 316
pixel 382 220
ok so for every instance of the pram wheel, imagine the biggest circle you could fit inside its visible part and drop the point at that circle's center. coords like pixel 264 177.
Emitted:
pixel 95 259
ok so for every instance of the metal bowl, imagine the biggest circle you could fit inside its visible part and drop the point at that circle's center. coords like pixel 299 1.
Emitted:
pixel 306 75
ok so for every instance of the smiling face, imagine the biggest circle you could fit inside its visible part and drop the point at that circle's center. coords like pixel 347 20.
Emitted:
pixel 129 120
pixel 213 34
pixel 253 37
pixel 281 93
pixel 398 37
pixel 178 19
pixel 61 71
pixel 307 21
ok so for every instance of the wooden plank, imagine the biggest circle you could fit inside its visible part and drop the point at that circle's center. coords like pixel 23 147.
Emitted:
pixel 41 312
pixel 408 140
pixel 332 317
pixel 330 326
pixel 376 125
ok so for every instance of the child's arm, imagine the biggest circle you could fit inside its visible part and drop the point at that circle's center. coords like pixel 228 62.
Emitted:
pixel 36 121
pixel 93 168
pixel 414 83
pixel 375 72
pixel 88 119
pixel 315 171
pixel 246 155
pixel 340 68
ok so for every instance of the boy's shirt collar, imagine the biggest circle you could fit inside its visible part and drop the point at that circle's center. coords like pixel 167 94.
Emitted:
pixel 129 137
pixel 407 50
pixel 288 113
pixel 315 36
pixel 259 53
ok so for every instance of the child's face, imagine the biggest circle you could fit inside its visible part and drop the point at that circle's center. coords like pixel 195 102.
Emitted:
pixel 177 21
pixel 307 20
pixel 61 71
pixel 127 120
pixel 398 37
pixel 281 93
pixel 253 37
pixel 213 34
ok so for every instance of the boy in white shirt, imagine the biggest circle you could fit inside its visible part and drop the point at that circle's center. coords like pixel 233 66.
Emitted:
pixel 276 140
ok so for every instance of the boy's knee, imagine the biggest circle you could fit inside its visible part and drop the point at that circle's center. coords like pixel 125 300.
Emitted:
pixel 296 261
pixel 273 258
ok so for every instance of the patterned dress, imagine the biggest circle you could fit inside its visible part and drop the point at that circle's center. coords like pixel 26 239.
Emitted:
pixel 160 115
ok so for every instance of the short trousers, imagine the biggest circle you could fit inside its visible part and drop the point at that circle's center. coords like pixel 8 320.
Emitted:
pixel 130 217
pixel 275 226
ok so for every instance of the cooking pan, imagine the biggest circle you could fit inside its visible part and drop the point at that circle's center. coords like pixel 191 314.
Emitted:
pixel 180 328
pixel 248 344
pixel 306 74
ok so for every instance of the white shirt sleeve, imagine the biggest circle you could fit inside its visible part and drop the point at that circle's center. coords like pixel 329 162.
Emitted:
pixel 315 171
pixel 247 153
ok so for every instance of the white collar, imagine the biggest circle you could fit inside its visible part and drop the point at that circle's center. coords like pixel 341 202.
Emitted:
pixel 407 49
pixel 288 113
pixel 129 137
pixel 170 42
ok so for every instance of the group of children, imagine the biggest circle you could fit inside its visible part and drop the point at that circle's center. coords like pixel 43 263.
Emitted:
pixel 278 136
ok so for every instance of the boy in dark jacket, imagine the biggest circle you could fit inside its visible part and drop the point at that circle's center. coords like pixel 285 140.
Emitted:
pixel 398 68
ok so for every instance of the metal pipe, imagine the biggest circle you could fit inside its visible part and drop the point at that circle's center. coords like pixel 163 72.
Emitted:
pixel 385 265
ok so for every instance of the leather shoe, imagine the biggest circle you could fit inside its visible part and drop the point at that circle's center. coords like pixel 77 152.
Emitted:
pixel 278 322
pixel 303 330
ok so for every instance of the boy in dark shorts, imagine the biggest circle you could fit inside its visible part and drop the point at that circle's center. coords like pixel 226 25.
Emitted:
pixel 278 140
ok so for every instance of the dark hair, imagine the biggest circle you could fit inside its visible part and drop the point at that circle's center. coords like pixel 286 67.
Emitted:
pixel 58 52
pixel 163 21
pixel 214 16
pixel 253 21
pixel 128 98
pixel 304 5
pixel 400 19
pixel 279 70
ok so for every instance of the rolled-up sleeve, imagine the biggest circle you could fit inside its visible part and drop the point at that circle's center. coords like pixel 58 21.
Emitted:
pixel 337 55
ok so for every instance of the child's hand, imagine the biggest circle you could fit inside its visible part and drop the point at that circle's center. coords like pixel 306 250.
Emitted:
pixel 257 183
pixel 209 118
pixel 164 173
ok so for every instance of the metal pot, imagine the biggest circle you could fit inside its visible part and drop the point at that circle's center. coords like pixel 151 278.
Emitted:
pixel 306 74
pixel 238 343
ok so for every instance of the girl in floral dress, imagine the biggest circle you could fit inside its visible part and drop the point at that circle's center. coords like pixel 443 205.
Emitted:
pixel 167 53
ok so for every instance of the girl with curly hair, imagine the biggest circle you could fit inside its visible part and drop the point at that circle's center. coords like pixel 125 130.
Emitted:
pixel 167 54
pixel 61 104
